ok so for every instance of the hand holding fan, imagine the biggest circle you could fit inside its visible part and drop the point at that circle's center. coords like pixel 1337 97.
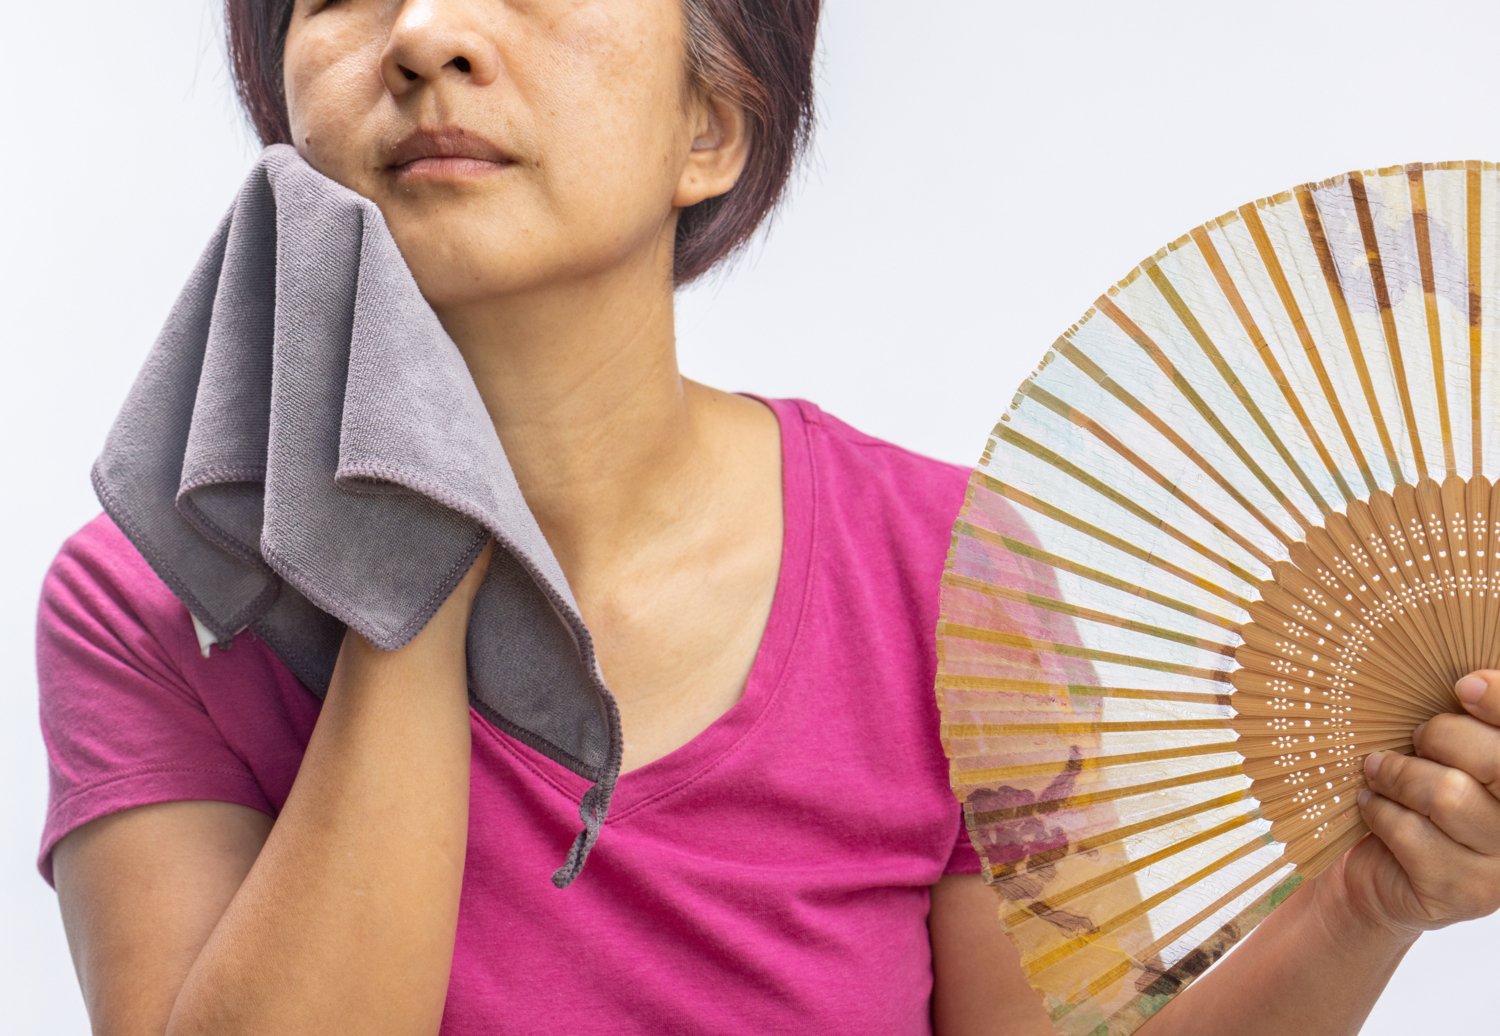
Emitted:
pixel 1232 535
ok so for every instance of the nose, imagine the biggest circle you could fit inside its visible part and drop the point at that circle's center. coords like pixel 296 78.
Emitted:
pixel 429 36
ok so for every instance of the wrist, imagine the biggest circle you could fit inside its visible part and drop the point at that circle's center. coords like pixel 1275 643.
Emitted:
pixel 433 659
pixel 1345 924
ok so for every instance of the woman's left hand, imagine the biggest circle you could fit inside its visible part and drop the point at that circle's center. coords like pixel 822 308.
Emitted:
pixel 1434 857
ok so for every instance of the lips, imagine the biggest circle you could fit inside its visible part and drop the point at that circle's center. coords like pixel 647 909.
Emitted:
pixel 446 142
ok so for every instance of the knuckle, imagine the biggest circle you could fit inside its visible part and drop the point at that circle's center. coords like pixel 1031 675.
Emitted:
pixel 1441 727
pixel 1411 835
pixel 1395 825
pixel 1450 796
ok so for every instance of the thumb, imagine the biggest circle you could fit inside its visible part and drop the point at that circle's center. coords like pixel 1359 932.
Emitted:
pixel 1479 693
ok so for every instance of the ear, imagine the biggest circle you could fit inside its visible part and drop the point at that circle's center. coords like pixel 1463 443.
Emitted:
pixel 720 149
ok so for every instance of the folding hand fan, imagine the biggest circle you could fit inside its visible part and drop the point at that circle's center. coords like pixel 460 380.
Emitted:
pixel 1233 534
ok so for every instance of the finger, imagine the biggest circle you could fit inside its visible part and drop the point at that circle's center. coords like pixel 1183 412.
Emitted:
pixel 1441 869
pixel 1479 694
pixel 1457 804
pixel 1463 742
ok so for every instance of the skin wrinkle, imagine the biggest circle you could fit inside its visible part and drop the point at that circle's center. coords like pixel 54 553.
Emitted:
pixel 660 496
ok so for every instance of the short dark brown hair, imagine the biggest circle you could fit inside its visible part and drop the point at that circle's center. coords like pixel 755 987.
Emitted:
pixel 756 53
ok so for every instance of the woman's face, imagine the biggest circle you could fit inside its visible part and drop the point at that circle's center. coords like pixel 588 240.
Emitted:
pixel 589 97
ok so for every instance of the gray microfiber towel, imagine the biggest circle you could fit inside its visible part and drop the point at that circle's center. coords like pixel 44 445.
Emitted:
pixel 305 450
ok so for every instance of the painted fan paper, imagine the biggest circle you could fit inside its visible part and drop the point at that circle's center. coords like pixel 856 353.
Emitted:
pixel 1233 534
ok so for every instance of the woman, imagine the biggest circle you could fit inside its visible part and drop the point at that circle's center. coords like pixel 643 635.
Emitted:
pixel 760 579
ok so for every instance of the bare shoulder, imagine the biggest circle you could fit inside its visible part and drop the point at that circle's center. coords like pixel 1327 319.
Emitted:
pixel 140 890
pixel 978 988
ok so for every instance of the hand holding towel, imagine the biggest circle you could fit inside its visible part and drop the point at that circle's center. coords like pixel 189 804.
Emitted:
pixel 305 450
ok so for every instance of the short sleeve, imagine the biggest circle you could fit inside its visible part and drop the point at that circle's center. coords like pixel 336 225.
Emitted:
pixel 964 859
pixel 121 724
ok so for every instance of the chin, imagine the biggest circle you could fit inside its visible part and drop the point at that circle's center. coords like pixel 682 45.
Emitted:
pixel 453 277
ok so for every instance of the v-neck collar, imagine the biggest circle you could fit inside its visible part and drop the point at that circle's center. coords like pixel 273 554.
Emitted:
pixel 651 781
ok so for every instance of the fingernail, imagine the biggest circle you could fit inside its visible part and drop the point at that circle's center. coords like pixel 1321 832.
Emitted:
pixel 1363 796
pixel 1471 688
pixel 1372 764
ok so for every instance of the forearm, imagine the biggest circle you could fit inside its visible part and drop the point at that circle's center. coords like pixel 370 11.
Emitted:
pixel 346 922
pixel 1303 969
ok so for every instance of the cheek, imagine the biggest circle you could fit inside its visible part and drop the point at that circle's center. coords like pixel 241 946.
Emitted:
pixel 328 80
pixel 612 96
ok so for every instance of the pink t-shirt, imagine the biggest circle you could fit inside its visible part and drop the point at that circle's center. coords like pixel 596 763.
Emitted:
pixel 772 875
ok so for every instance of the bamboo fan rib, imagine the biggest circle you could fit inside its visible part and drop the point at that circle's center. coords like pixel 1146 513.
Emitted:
pixel 1233 534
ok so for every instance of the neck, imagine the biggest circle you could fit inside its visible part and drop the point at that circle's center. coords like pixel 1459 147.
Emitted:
pixel 602 430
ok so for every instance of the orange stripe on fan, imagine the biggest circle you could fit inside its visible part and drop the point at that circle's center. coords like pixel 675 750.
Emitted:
pixel 1103 878
pixel 1064 410
pixel 1281 862
pixel 1241 392
pixel 1274 270
pixel 1004 685
pixel 1182 384
pixel 1057 514
pixel 1387 317
pixel 1472 181
pixel 1421 223
pixel 1093 762
pixel 1007 593
pixel 1213 946
pixel 1104 381
pixel 1008 433
pixel 1294 879
pixel 1039 645
pixel 1045 960
pixel 1103 726
pixel 1026 550
pixel 1268 356
pixel 994 816
pixel 1335 287
pixel 1118 834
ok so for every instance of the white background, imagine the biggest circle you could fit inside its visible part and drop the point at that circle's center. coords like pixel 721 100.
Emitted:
pixel 982 171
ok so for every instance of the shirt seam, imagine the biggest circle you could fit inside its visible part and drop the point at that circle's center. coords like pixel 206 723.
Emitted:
pixel 865 439
pixel 141 771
